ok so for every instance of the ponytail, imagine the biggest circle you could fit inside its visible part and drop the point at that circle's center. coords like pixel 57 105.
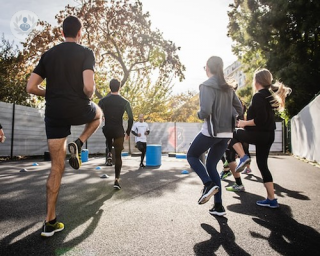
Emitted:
pixel 278 90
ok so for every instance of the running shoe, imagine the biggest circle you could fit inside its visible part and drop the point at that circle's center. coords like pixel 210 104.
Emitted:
pixel 225 174
pixel 226 166
pixel 247 170
pixel 236 188
pixel 268 203
pixel 49 229
pixel 109 160
pixel 207 192
pixel 116 185
pixel 220 211
pixel 142 165
pixel 75 158
pixel 245 160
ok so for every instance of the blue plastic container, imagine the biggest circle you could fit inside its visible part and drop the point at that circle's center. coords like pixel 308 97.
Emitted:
pixel 153 155
pixel 124 153
pixel 84 155
pixel 181 156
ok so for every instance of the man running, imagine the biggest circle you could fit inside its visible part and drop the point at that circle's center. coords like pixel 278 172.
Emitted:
pixel 69 72
pixel 140 130
pixel 113 107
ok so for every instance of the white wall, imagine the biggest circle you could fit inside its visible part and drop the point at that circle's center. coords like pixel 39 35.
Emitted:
pixel 305 134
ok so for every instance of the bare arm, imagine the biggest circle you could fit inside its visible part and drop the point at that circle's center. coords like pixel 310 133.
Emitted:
pixel 88 81
pixel 33 85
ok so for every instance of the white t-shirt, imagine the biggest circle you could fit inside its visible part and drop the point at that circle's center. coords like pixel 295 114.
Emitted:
pixel 141 128
pixel 205 132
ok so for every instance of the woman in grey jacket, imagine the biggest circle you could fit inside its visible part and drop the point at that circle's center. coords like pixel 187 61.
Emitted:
pixel 217 100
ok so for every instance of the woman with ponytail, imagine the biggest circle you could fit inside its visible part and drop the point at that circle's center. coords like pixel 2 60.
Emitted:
pixel 259 128
pixel 217 101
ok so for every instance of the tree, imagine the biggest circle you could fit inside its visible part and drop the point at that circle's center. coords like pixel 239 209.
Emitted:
pixel 283 36
pixel 121 37
pixel 13 74
pixel 148 98
pixel 184 107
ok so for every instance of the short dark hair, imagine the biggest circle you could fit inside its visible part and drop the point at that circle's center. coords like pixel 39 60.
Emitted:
pixel 71 26
pixel 114 85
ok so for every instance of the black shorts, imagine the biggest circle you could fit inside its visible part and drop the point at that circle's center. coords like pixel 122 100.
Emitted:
pixel 61 128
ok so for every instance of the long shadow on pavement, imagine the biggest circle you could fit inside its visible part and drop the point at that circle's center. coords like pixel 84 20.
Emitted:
pixel 225 238
pixel 287 236
pixel 279 190
pixel 79 204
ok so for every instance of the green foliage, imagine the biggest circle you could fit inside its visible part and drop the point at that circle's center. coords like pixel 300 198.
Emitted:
pixel 284 37
pixel 184 107
pixel 148 98
pixel 120 34
pixel 13 75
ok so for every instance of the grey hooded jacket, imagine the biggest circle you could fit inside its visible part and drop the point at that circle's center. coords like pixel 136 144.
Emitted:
pixel 217 107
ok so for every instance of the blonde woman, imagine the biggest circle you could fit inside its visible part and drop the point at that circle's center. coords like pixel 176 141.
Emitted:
pixel 259 128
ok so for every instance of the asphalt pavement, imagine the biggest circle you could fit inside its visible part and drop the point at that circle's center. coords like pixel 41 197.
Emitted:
pixel 156 211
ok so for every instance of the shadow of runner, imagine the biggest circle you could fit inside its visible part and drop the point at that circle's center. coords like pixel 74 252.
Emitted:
pixel 34 244
pixel 279 190
pixel 224 238
pixel 80 205
pixel 287 237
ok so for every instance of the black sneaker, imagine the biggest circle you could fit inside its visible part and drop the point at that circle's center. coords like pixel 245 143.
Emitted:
pixel 207 192
pixel 49 229
pixel 220 211
pixel 142 165
pixel 75 158
pixel 116 185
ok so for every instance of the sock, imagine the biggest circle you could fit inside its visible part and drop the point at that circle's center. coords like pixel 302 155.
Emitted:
pixel 53 221
pixel 238 181
pixel 79 142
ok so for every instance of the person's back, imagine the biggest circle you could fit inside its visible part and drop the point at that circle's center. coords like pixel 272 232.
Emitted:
pixel 62 66
pixel 69 72
pixel 113 107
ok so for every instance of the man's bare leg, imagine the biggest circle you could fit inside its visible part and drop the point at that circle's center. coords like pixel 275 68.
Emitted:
pixel 57 149
pixel 91 127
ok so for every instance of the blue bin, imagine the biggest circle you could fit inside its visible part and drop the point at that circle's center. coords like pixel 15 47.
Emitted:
pixel 181 156
pixel 84 155
pixel 153 155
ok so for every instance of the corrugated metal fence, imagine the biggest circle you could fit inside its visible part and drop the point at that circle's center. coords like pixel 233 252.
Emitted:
pixel 25 131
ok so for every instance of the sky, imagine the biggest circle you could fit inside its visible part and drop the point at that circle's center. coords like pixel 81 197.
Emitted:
pixel 198 27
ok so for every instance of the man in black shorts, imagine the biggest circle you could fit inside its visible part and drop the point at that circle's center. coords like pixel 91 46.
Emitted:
pixel 69 72
pixel 113 107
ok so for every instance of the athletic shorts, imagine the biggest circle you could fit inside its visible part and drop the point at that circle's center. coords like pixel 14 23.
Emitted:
pixel 61 128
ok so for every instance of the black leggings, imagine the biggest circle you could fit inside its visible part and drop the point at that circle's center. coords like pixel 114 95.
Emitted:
pixel 117 143
pixel 231 154
pixel 142 146
pixel 263 141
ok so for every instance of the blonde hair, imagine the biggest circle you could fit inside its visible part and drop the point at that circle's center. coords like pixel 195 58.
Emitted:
pixel 278 90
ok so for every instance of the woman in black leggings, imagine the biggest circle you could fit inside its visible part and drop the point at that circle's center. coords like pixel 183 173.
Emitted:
pixel 259 128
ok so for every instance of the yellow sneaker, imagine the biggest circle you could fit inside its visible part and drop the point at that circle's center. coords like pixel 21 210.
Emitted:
pixel 49 229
